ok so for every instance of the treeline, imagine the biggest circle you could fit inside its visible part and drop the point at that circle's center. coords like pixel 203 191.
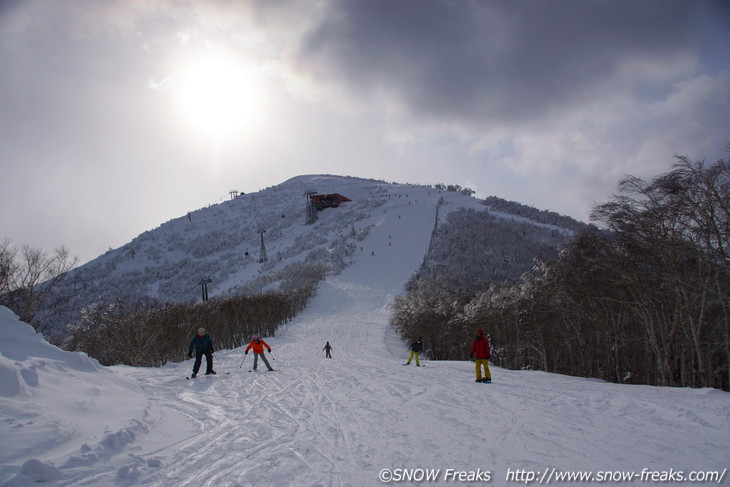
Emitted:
pixel 473 248
pixel 644 300
pixel 541 216
pixel 147 333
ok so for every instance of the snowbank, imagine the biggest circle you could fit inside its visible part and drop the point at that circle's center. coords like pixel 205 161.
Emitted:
pixel 59 405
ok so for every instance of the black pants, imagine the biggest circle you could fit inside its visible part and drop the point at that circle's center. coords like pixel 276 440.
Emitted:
pixel 208 361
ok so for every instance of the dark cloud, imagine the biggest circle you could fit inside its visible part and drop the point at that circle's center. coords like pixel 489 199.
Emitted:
pixel 492 61
pixel 7 6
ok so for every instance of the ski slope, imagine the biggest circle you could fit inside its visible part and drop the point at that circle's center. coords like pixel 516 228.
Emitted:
pixel 354 420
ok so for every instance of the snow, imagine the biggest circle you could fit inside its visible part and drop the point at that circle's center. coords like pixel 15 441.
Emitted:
pixel 352 420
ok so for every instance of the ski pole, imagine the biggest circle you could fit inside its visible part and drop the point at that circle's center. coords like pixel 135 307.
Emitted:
pixel 272 355
pixel 242 361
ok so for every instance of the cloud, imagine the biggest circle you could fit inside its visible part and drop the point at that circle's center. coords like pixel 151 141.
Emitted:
pixel 574 93
pixel 490 63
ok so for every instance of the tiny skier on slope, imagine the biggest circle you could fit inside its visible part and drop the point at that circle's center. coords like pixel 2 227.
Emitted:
pixel 416 348
pixel 480 351
pixel 258 350
pixel 327 349
pixel 203 345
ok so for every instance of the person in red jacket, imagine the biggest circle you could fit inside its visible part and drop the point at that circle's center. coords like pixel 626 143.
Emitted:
pixel 480 351
pixel 258 350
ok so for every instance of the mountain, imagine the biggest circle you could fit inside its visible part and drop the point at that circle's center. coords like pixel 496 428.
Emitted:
pixel 222 242
pixel 358 419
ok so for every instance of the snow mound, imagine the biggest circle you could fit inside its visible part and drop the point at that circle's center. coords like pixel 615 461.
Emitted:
pixel 54 401
pixel 32 472
pixel 24 353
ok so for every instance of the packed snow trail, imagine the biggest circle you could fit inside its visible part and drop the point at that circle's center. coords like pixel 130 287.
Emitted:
pixel 312 422
pixel 334 422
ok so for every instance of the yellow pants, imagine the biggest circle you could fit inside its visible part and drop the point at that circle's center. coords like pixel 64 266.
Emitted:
pixel 485 363
pixel 411 357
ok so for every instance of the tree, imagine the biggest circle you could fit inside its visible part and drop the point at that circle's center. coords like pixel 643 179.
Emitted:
pixel 28 278
pixel 672 235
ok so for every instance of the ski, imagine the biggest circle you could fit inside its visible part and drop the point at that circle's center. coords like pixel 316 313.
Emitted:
pixel 188 377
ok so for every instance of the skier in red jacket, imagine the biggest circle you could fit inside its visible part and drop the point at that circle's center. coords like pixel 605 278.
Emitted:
pixel 258 351
pixel 480 351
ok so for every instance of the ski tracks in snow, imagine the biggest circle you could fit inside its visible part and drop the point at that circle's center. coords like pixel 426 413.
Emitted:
pixel 244 427
pixel 337 422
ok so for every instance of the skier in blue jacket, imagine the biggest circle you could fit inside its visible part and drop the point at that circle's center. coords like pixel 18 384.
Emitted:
pixel 203 345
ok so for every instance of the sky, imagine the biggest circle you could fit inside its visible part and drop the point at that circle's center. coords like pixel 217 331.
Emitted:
pixel 116 116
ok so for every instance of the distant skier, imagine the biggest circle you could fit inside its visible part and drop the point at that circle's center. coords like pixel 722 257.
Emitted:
pixel 416 348
pixel 480 351
pixel 258 350
pixel 203 345
pixel 327 349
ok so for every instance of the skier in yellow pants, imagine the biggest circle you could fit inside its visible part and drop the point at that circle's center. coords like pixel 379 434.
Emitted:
pixel 480 351
pixel 416 348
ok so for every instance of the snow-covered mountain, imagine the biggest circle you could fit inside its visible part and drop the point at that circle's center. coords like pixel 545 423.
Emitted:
pixel 358 419
pixel 222 242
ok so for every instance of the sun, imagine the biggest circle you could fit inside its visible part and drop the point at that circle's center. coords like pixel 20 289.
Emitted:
pixel 218 96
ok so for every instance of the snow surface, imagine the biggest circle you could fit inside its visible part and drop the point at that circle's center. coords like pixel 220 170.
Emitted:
pixel 346 421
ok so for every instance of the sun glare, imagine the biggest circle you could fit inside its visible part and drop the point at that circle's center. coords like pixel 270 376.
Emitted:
pixel 219 97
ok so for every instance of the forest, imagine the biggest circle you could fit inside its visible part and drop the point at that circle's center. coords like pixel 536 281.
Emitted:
pixel 150 333
pixel 144 331
pixel 641 296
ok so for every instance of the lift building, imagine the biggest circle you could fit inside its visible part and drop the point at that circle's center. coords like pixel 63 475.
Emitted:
pixel 322 201
pixel 318 202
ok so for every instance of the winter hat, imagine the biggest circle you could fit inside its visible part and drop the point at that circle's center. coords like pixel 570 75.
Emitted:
pixel 255 337
pixel 201 331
